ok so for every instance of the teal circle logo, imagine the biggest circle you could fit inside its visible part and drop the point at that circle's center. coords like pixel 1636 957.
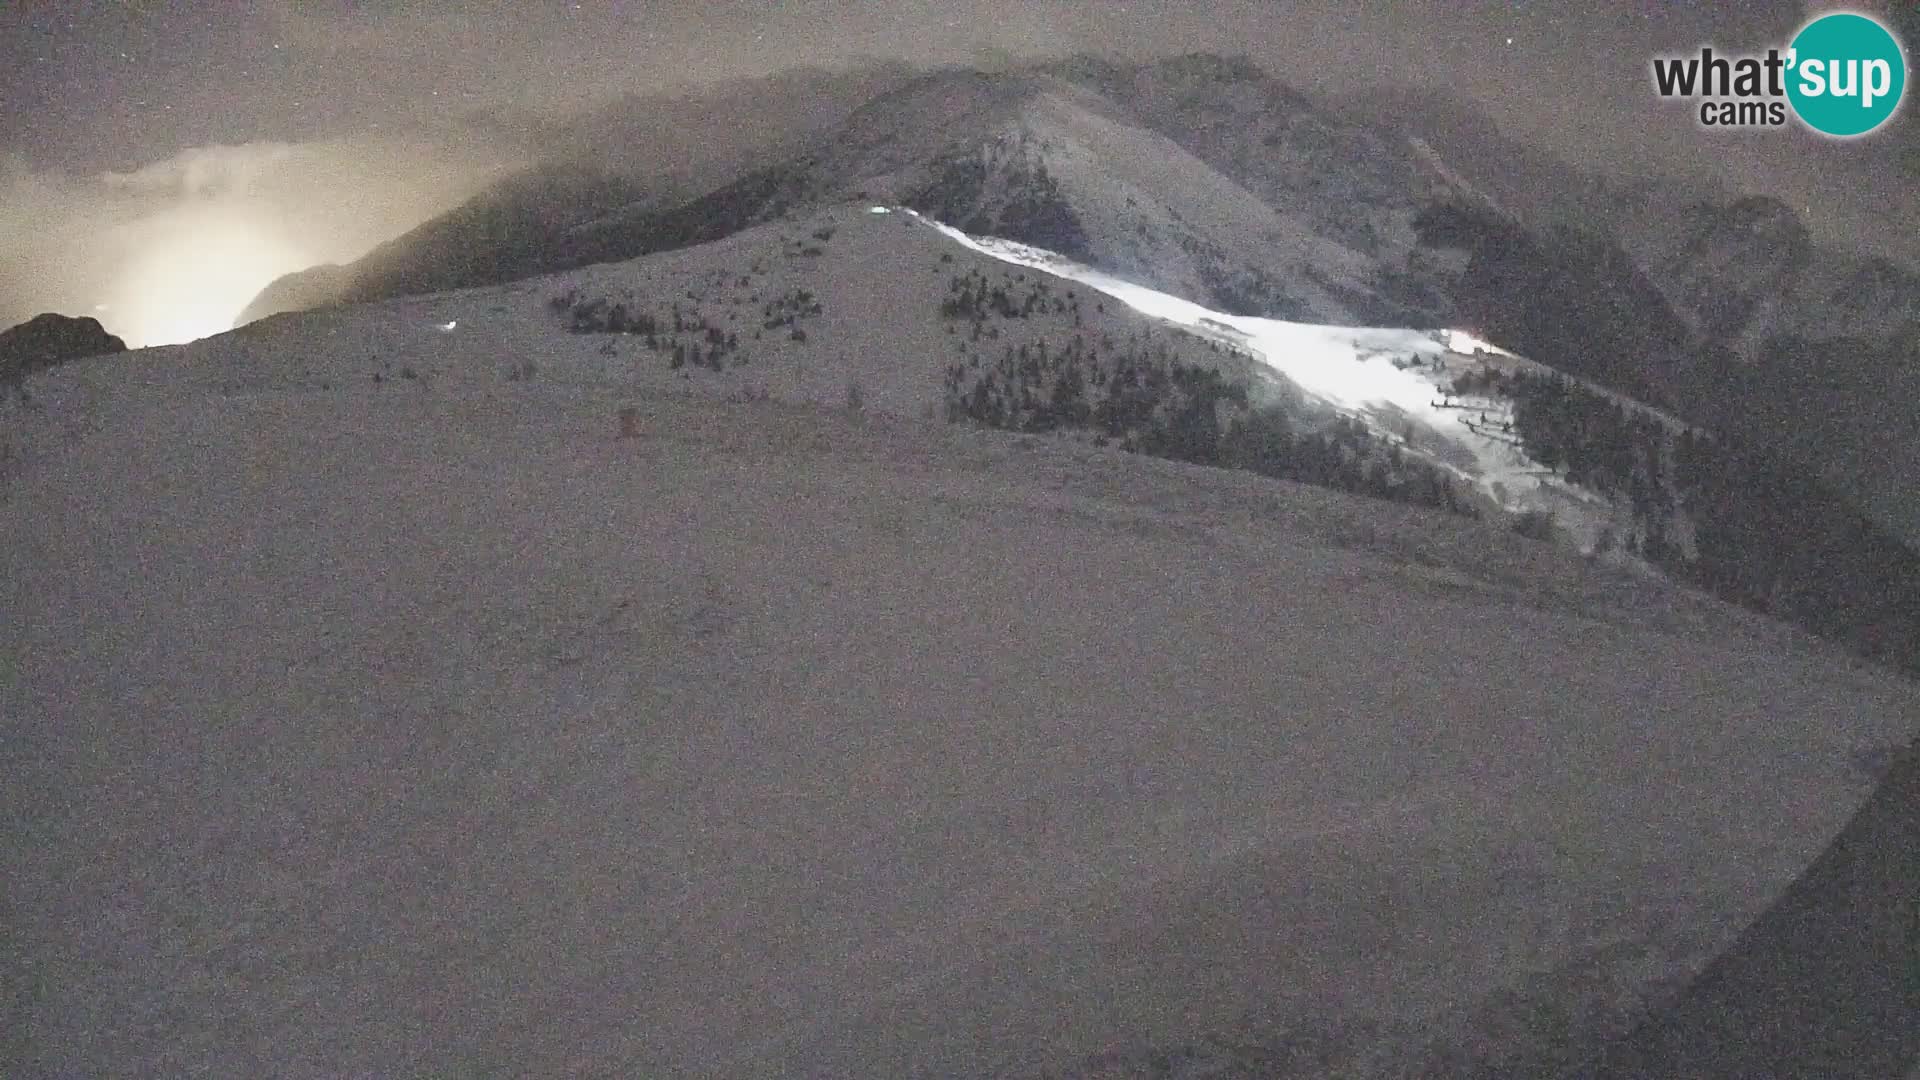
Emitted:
pixel 1846 75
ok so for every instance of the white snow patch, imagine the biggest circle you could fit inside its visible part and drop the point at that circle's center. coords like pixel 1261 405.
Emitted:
pixel 1395 380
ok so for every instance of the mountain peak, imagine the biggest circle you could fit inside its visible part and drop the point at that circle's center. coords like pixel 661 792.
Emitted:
pixel 1759 215
pixel 50 339
pixel 1735 262
pixel 1235 67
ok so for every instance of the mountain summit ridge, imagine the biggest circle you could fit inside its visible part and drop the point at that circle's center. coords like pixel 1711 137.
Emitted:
pixel 1208 178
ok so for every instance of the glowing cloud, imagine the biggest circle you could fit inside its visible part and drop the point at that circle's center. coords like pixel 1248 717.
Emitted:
pixel 176 249
pixel 195 269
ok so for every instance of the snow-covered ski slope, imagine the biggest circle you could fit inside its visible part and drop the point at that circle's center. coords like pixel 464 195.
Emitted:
pixel 1396 380
pixel 429 727
pixel 880 288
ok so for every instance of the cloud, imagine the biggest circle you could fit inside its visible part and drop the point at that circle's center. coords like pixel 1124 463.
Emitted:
pixel 175 248
pixel 207 171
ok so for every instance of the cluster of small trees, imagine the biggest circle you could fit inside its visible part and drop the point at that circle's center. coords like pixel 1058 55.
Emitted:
pixel 683 336
pixel 1145 399
pixel 787 311
pixel 601 317
pixel 1345 456
pixel 1593 439
pixel 1245 290
pixel 973 297
pixel 808 249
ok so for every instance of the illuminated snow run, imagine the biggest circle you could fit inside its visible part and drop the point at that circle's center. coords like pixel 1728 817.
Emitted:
pixel 1397 381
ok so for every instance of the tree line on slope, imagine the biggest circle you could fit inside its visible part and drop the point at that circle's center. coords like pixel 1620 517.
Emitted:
pixel 685 336
pixel 1765 534
pixel 1143 398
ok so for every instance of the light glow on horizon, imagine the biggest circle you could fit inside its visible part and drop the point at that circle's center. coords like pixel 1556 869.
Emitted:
pixel 192 273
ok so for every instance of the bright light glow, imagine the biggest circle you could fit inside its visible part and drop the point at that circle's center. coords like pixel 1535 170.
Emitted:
pixel 194 271
pixel 449 325
pixel 1467 344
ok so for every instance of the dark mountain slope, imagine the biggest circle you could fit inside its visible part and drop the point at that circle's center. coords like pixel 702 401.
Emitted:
pixel 1826 983
pixel 50 340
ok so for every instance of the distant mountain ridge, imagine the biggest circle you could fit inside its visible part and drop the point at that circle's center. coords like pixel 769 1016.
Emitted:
pixel 1208 178
pixel 1109 132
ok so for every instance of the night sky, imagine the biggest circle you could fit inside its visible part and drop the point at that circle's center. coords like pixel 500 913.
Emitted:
pixel 354 120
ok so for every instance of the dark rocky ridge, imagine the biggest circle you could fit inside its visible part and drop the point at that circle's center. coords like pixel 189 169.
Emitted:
pixel 49 340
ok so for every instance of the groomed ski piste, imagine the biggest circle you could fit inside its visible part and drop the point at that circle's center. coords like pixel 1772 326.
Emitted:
pixel 421 688
pixel 1388 378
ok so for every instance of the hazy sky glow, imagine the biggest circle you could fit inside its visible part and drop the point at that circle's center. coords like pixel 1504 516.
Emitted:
pixel 175 250
pixel 321 127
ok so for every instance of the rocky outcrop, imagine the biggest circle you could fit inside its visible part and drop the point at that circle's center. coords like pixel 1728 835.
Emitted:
pixel 49 340
pixel 1747 270
pixel 1869 297
pixel 1728 268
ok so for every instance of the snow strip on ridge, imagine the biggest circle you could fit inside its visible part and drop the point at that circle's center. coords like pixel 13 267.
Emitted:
pixel 1387 377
